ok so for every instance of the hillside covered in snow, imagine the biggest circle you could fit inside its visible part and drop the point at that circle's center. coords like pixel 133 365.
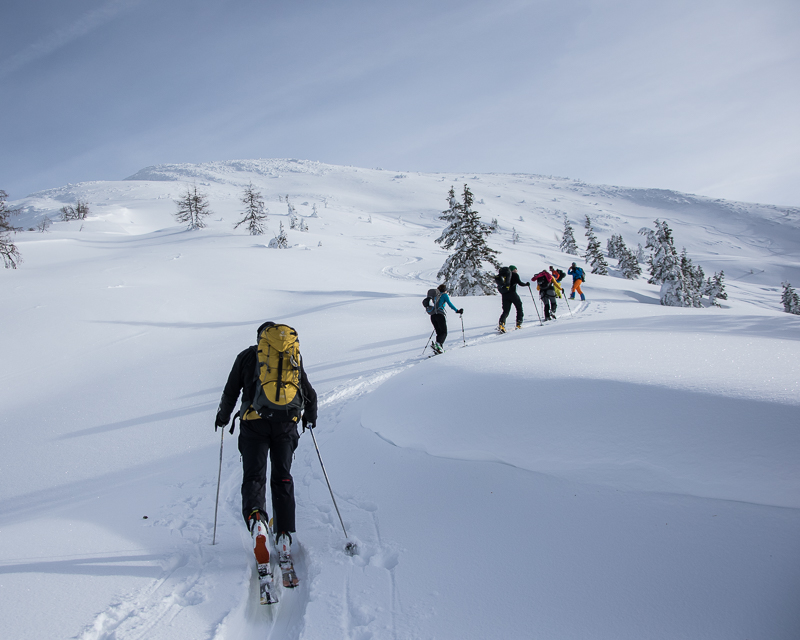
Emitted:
pixel 628 471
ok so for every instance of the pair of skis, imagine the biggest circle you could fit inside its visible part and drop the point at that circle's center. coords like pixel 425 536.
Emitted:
pixel 266 578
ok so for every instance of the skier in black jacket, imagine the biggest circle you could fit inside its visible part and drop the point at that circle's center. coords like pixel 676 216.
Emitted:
pixel 274 434
pixel 508 291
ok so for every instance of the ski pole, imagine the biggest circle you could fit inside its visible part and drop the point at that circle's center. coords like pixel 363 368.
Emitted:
pixel 219 478
pixel 566 299
pixel 463 337
pixel 535 307
pixel 426 343
pixel 350 548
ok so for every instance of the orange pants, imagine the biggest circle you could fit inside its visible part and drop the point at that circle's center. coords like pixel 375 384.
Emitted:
pixel 576 286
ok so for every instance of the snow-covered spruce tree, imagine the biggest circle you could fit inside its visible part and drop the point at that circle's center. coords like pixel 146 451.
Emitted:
pixel 594 253
pixel 664 264
pixel 790 299
pixel 281 241
pixel 192 208
pixel 641 258
pixel 293 219
pixel 627 262
pixel 514 236
pixel 463 271
pixel 693 281
pixel 568 244
pixel 9 251
pixel 613 245
pixel 255 213
pixel 715 288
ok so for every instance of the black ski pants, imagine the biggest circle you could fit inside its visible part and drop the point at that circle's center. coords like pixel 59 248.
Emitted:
pixel 439 323
pixel 508 300
pixel 549 304
pixel 278 440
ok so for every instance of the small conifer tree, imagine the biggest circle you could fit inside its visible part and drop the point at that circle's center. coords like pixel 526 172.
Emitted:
pixel 693 281
pixel 614 245
pixel 664 264
pixel 594 253
pixel 293 219
pixel 627 262
pixel 255 213
pixel 9 251
pixel 715 288
pixel 790 299
pixel 192 208
pixel 281 241
pixel 514 236
pixel 463 271
pixel 568 244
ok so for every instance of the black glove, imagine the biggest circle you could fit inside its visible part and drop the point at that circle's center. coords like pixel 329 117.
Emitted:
pixel 220 422
pixel 308 425
pixel 528 284
pixel 460 311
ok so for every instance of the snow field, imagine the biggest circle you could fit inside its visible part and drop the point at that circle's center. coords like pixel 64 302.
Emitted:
pixel 628 471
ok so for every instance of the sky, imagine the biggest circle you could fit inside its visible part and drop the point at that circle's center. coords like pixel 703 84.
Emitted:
pixel 698 96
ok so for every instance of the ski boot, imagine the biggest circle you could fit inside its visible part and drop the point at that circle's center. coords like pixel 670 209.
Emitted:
pixel 284 544
pixel 437 348
pixel 259 531
pixel 501 327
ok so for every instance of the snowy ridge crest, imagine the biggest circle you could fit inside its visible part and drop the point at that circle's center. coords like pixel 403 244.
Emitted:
pixel 227 171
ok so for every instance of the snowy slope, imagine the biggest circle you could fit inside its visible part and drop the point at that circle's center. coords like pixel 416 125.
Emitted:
pixel 630 471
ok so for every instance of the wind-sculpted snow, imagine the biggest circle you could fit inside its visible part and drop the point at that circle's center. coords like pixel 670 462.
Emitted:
pixel 231 171
pixel 684 418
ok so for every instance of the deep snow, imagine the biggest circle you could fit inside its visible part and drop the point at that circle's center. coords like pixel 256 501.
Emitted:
pixel 629 471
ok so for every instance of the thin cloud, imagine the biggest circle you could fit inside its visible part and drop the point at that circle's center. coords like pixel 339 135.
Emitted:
pixel 60 38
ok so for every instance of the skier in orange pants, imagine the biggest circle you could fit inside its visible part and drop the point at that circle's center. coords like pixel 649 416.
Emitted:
pixel 578 276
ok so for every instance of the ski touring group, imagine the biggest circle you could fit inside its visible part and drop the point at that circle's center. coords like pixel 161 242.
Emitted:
pixel 548 284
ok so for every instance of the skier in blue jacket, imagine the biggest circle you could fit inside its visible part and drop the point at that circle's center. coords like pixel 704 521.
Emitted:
pixel 438 317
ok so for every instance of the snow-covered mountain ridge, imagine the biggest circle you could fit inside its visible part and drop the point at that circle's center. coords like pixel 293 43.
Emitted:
pixel 627 471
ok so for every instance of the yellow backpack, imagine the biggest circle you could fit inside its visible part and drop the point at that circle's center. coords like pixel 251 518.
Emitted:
pixel 278 373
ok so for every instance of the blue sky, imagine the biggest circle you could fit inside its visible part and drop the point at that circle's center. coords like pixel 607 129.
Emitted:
pixel 699 96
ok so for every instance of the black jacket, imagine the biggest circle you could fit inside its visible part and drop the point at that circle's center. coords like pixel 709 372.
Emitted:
pixel 512 284
pixel 242 378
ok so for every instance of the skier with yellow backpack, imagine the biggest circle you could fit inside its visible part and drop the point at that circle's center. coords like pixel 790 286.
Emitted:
pixel 276 396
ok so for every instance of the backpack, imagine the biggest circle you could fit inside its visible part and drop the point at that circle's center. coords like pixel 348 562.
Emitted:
pixel 277 372
pixel 581 274
pixel 561 274
pixel 543 285
pixel 431 301
pixel 503 279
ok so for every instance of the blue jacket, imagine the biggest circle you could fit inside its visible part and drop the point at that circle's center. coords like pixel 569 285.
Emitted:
pixel 577 274
pixel 440 310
